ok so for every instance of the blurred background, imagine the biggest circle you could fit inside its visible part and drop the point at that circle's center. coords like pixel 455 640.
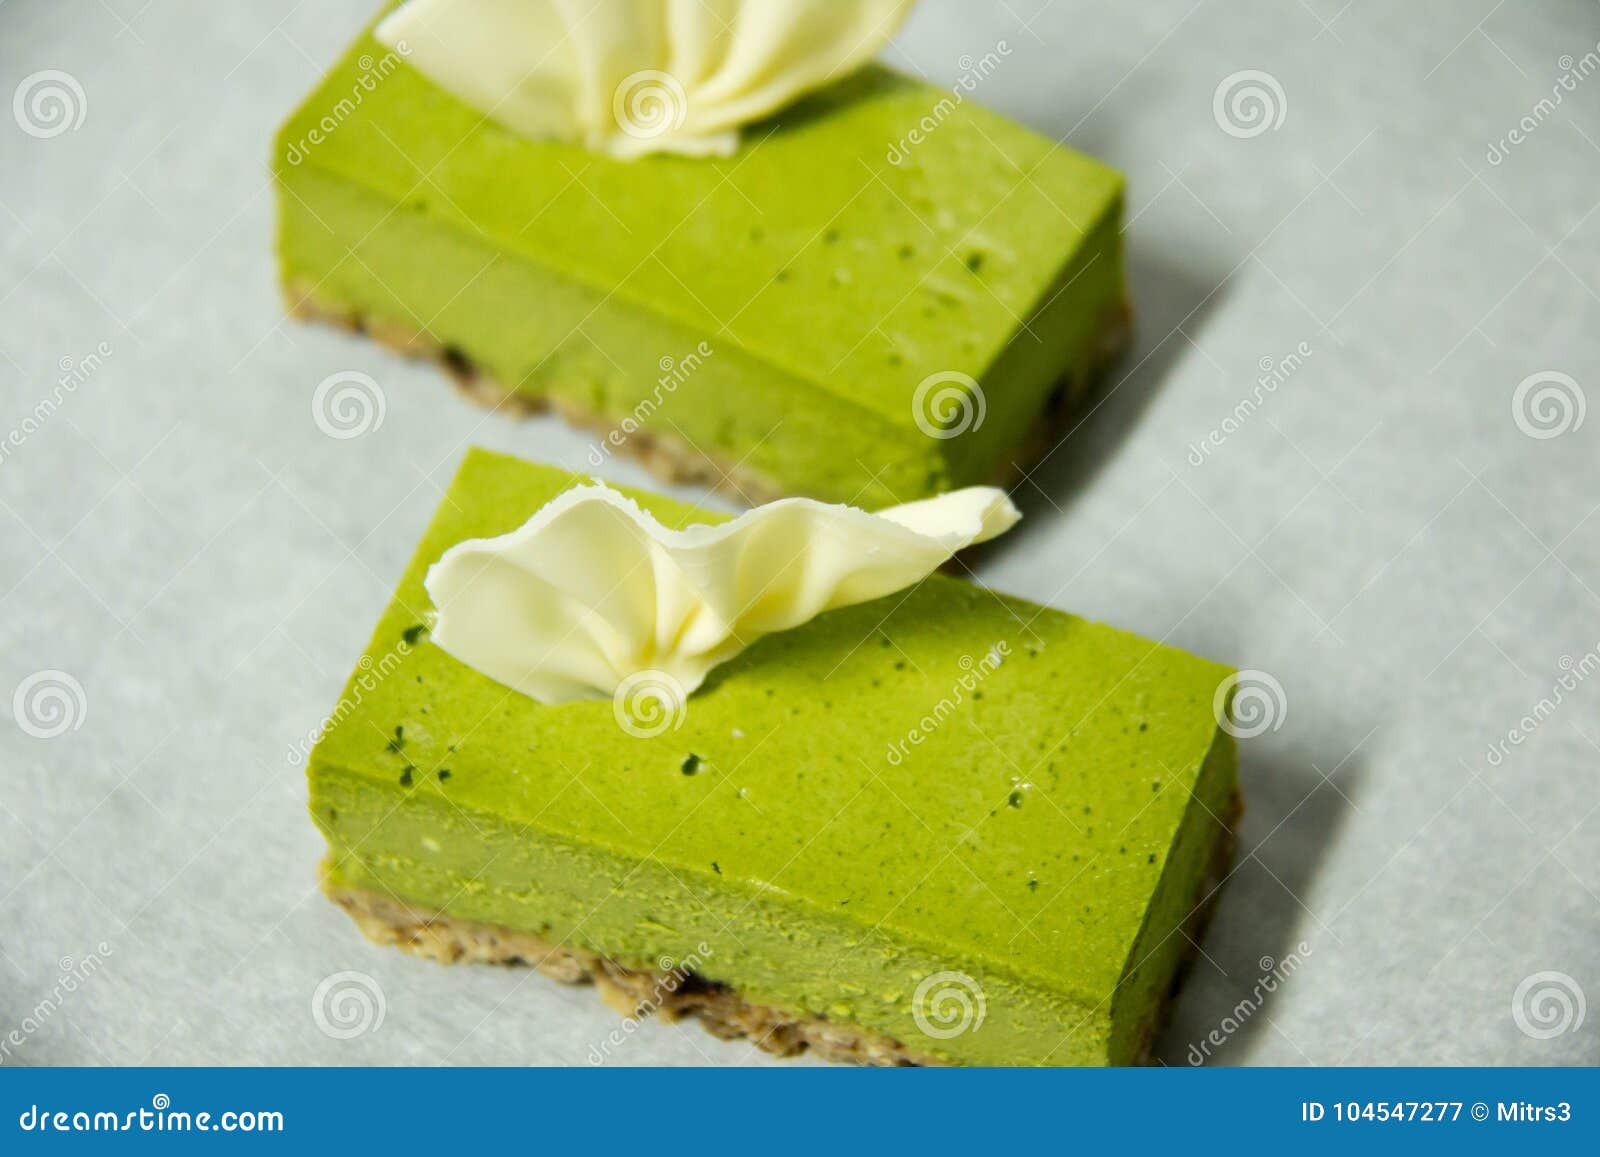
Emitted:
pixel 1399 532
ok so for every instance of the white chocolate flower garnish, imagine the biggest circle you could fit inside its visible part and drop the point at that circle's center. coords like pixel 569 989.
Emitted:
pixel 592 591
pixel 629 77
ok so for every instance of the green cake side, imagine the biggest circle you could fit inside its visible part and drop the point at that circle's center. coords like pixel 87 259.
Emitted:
pixel 827 283
pixel 945 780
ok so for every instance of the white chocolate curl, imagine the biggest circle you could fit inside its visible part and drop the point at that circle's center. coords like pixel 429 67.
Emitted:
pixel 592 590
pixel 629 77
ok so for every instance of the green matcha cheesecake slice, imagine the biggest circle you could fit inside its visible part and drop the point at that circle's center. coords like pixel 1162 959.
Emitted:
pixel 884 293
pixel 945 826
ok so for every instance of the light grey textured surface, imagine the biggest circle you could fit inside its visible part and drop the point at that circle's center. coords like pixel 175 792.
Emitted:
pixel 1380 535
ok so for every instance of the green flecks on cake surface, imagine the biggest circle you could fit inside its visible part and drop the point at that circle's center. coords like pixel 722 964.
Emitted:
pixel 792 801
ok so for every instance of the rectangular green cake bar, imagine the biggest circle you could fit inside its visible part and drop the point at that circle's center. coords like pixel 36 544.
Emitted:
pixel 788 320
pixel 943 810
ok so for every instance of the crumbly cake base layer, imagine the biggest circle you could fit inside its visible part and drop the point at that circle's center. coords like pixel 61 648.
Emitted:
pixel 668 457
pixel 670 995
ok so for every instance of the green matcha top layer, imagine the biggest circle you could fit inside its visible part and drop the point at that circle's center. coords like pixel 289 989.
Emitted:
pixel 808 247
pixel 978 774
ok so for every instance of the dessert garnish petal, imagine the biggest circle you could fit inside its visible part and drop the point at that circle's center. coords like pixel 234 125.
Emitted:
pixel 593 591
pixel 629 77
